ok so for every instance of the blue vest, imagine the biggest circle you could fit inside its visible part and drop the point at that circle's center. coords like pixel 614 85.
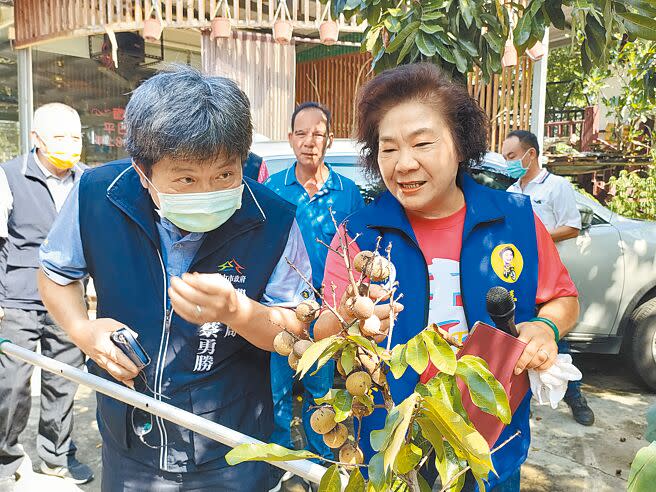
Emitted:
pixel 493 218
pixel 122 250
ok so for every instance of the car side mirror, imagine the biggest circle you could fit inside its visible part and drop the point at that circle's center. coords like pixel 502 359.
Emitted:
pixel 587 215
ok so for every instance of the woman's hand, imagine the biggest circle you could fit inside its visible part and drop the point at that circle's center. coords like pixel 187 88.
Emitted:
pixel 541 349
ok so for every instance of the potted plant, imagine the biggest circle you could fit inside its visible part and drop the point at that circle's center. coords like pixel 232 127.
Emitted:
pixel 153 26
pixel 221 25
pixel 282 27
pixel 536 52
pixel 328 29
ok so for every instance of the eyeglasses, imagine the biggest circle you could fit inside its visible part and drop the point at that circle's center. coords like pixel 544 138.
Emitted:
pixel 142 421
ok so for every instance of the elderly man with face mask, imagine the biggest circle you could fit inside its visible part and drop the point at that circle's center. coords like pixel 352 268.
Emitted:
pixel 192 257
pixel 33 188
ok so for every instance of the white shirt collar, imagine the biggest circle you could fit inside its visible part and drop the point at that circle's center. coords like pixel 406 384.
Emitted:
pixel 539 179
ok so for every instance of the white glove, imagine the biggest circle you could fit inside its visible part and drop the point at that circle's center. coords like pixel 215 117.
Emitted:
pixel 549 386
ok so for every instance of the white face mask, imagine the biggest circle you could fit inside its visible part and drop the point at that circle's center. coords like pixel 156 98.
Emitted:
pixel 198 212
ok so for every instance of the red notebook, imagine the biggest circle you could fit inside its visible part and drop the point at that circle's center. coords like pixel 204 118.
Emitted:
pixel 501 351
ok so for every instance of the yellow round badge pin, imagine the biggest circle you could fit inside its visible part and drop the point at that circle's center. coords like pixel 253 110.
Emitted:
pixel 507 262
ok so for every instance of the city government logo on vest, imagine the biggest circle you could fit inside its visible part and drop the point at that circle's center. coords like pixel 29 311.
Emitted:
pixel 233 271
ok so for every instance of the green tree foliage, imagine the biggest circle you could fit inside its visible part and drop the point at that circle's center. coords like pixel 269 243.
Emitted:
pixel 462 34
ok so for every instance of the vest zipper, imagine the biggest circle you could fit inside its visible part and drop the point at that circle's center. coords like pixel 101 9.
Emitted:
pixel 159 369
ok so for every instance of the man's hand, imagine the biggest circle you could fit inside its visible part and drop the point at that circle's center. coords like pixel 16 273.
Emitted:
pixel 204 297
pixel 93 339
pixel 541 349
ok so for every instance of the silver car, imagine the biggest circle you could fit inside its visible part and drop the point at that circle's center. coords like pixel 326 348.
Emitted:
pixel 612 261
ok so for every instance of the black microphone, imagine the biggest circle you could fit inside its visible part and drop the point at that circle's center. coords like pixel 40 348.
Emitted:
pixel 501 308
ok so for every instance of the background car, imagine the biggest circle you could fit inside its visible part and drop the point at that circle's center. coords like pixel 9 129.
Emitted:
pixel 612 261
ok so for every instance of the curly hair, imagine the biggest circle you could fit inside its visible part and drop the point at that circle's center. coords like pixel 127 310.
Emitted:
pixel 425 83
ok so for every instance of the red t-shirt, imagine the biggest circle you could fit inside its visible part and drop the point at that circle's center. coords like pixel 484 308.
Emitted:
pixel 440 241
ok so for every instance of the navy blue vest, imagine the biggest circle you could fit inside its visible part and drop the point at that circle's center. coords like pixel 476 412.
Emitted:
pixel 493 219
pixel 122 250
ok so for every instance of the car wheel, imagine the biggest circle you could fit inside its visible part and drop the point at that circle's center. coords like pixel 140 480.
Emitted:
pixel 641 352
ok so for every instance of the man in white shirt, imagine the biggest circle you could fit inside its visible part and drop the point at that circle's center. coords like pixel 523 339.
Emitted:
pixel 33 188
pixel 554 202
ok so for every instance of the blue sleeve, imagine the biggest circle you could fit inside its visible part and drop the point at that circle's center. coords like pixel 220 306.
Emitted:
pixel 61 255
pixel 286 288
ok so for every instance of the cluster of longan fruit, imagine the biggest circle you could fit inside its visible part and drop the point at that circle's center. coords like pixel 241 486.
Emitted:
pixel 367 368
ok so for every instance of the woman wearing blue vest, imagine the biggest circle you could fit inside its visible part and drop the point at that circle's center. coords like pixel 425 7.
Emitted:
pixel 450 236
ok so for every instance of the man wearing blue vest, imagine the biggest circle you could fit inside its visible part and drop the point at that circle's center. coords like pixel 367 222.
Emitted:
pixel 138 227
pixel 315 189
pixel 33 188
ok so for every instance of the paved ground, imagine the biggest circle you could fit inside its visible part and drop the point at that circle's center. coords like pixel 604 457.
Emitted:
pixel 564 456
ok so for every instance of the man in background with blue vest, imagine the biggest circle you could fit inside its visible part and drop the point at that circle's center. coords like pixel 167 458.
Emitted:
pixel 554 200
pixel 33 188
pixel 314 189
pixel 191 257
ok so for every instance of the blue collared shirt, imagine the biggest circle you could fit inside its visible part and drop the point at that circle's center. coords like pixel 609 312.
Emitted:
pixel 62 257
pixel 313 213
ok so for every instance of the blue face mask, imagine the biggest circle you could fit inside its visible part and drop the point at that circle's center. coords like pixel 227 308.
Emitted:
pixel 515 169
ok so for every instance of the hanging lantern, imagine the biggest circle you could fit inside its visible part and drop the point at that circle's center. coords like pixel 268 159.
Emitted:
pixel 536 52
pixel 282 27
pixel 221 25
pixel 329 29
pixel 153 26
pixel 509 58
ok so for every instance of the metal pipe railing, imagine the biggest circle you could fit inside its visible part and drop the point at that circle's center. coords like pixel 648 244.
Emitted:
pixel 230 437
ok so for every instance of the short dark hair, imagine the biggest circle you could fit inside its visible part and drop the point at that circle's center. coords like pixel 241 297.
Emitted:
pixel 312 105
pixel 163 120
pixel 526 138
pixel 426 83
pixel 507 248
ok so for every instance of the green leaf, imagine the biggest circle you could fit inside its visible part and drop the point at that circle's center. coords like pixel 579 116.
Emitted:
pixel 424 485
pixel 327 398
pixel 416 354
pixel 431 29
pixel 643 470
pixel 392 24
pixel 446 388
pixel 342 405
pixel 409 456
pixel 466 12
pixel 377 474
pixel 356 482
pixel 331 482
pixel 444 52
pixel 461 61
pixel 431 16
pixel 372 37
pixel 440 352
pixel 407 47
pixel 430 431
pixel 469 47
pixel 640 25
pixel 399 39
pixel 425 44
pixel 379 439
pixel 348 358
pixel 554 10
pixel 398 364
pixel 522 30
pixel 450 466
pixel 486 392
pixel 596 36
pixel 314 352
pixel 463 437
pixel 406 410
pixel 265 452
